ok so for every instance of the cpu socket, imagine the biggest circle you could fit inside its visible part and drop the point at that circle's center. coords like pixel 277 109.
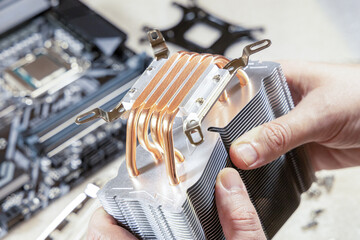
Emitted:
pixel 45 69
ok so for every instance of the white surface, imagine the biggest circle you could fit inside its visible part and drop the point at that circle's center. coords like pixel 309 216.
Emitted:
pixel 305 30
pixel 341 216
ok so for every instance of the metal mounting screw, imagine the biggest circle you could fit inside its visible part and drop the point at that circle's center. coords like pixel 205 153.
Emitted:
pixel 216 78
pixel 200 100
pixel 150 68
pixel 132 90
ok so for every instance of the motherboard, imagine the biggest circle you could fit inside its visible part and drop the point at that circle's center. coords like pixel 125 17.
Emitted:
pixel 55 65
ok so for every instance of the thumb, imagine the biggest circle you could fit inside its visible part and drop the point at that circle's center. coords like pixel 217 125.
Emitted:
pixel 237 215
pixel 269 141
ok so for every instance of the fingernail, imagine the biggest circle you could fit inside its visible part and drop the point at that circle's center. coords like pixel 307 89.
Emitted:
pixel 247 153
pixel 230 179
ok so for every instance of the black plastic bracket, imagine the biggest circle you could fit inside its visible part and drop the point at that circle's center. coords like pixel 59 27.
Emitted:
pixel 192 15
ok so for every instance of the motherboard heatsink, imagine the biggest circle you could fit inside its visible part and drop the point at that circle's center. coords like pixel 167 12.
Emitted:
pixel 185 111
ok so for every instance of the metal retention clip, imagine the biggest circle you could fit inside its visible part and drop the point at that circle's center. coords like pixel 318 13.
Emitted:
pixel 192 124
pixel 158 44
pixel 240 63
pixel 99 113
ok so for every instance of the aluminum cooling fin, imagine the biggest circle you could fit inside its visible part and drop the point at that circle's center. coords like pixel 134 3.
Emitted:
pixel 185 111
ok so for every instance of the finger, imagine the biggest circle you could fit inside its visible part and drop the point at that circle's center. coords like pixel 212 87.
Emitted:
pixel 237 215
pixel 302 77
pixel 325 158
pixel 269 141
pixel 103 226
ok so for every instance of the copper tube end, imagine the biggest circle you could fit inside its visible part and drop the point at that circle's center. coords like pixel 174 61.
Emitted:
pixel 224 97
pixel 143 129
pixel 130 156
pixel 169 152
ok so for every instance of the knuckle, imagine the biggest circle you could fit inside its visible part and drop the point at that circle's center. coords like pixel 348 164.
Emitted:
pixel 277 135
pixel 245 220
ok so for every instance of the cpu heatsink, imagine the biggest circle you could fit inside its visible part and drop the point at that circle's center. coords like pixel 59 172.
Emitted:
pixel 170 193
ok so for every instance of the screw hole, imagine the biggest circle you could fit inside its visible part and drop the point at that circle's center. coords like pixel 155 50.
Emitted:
pixel 86 117
pixel 258 46
pixel 154 35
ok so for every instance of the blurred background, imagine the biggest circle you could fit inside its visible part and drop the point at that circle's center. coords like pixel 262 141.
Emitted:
pixel 310 30
pixel 318 30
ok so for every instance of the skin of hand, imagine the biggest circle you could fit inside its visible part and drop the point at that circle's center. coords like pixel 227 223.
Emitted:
pixel 103 227
pixel 326 118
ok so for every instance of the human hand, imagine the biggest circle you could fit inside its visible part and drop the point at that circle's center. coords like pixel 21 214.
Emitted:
pixel 238 217
pixel 327 116
pixel 102 226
